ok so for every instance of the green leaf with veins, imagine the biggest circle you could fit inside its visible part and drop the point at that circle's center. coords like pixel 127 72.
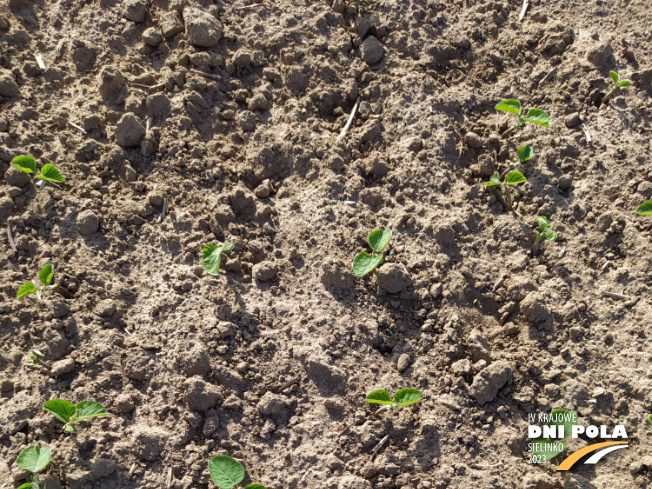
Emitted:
pixel 51 174
pixel 34 459
pixel 46 274
pixel 494 180
pixel 513 106
pixel 363 263
pixel 614 77
pixel 88 409
pixel 225 471
pixel 645 209
pixel 29 485
pixel 255 486
pixel 538 116
pixel 212 256
pixel 514 178
pixel 25 289
pixel 379 239
pixel 62 410
pixel 24 163
pixel 625 83
pixel 525 153
pixel 408 396
pixel 380 396
pixel 543 223
pixel 550 234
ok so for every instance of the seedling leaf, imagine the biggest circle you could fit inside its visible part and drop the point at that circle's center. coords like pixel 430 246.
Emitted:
pixel 514 178
pixel 363 263
pixel 255 486
pixel 513 106
pixel 225 471
pixel 649 419
pixel 494 180
pixel 614 77
pixel 538 116
pixel 380 396
pixel 625 83
pixel 28 485
pixel 62 410
pixel 525 153
pixel 46 274
pixel 51 174
pixel 550 234
pixel 89 409
pixel 25 289
pixel 379 239
pixel 405 397
pixel 550 452
pixel 24 163
pixel 559 417
pixel 34 459
pixel 212 256
pixel 543 223
pixel 645 209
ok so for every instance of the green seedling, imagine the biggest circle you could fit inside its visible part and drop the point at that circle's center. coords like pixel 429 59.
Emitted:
pixel 48 172
pixel 45 276
pixel 69 414
pixel 535 116
pixel 404 397
pixel 512 178
pixel 524 153
pixel 33 459
pixel 545 448
pixel 363 263
pixel 544 232
pixel 212 256
pixel 36 357
pixel 645 209
pixel 618 83
pixel 227 473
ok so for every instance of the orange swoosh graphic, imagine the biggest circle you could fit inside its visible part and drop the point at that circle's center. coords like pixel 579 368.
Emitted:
pixel 570 460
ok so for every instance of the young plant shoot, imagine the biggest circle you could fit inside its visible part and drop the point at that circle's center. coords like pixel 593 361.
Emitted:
pixel 618 83
pixel 645 209
pixel 227 473
pixel 69 414
pixel 404 397
pixel 212 256
pixel 33 459
pixel 36 357
pixel 48 172
pixel 363 263
pixel 512 178
pixel 535 116
pixel 45 276
pixel 544 233
pixel 524 153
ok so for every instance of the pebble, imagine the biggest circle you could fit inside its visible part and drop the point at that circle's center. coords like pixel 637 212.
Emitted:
pixel 152 37
pixel 87 222
pixel 565 182
pixel 170 24
pixel 8 86
pixel 17 178
pixel 157 105
pixel 241 58
pixel 371 50
pixel 573 120
pixel 403 362
pixel 135 10
pixel 604 221
pixel 473 140
pixel 257 102
pixel 129 131
pixel 247 120
pixel 202 28
pixel 264 190
pixel 265 271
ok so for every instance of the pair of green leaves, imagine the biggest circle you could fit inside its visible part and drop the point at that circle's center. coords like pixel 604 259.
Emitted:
pixel 212 256
pixel 226 472
pixel 33 459
pixel 363 263
pixel 645 209
pixel 69 414
pixel 618 82
pixel 535 116
pixel 559 417
pixel 512 178
pixel 545 231
pixel 48 172
pixel 404 397
pixel 45 276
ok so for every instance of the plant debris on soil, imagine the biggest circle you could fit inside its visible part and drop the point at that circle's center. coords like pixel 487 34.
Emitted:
pixel 179 123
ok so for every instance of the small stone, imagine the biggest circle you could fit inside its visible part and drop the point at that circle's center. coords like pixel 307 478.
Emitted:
pixel 157 105
pixel 257 102
pixel 265 271
pixel 155 198
pixel 225 329
pixel 403 362
pixel 60 309
pixel 241 58
pixel 362 25
pixel 394 277
pixel 338 6
pixel 473 140
pixel 247 120
pixel 135 10
pixel 489 381
pixel 152 37
pixel 599 53
pixel 371 50
pixel 6 206
pixel 170 24
pixel 264 190
pixel 87 222
pixel 573 120
pixel 103 467
pixel 62 367
pixel 130 174
pixel 565 182
pixel 129 131
pixel 604 221
pixel 202 28
pixel 8 86
pixel 17 178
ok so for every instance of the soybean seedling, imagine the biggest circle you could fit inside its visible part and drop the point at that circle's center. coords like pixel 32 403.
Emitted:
pixel 45 276
pixel 33 459
pixel 363 263
pixel 524 153
pixel 36 357
pixel 227 473
pixel 212 256
pixel 535 116
pixel 544 232
pixel 404 397
pixel 48 172
pixel 645 209
pixel 69 414
pixel 618 83
pixel 512 178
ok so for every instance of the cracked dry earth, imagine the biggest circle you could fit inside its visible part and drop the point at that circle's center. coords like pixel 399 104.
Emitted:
pixel 177 123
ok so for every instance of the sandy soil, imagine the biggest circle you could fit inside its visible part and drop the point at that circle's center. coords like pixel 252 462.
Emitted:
pixel 270 361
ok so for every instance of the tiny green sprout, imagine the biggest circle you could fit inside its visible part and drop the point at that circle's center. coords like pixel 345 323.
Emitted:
pixel 36 357
pixel 33 459
pixel 535 116
pixel 512 178
pixel 227 472
pixel 544 232
pixel 618 83
pixel 524 153
pixel 69 414
pixel 649 419
pixel 48 172
pixel 363 263
pixel 212 256
pixel 645 209
pixel 45 276
pixel 404 397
